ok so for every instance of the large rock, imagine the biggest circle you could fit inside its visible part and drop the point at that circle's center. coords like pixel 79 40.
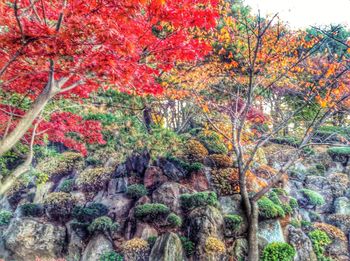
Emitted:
pixel 137 163
pixel 42 191
pixel 144 231
pixel 96 246
pixel 199 180
pixel 119 205
pixel 75 244
pixel 154 177
pixel 170 170
pixel 169 194
pixel 270 231
pixel 231 204
pixel 302 244
pixel 205 222
pixel 28 238
pixel 342 206
pixel 167 247
pixel 117 185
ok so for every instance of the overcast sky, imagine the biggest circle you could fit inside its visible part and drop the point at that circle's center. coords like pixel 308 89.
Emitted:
pixel 303 13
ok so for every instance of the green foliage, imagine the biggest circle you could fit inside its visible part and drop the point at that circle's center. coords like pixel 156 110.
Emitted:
pixel 279 191
pixel 59 205
pixel 151 241
pixel 293 203
pixel 188 167
pixel 67 185
pixel 111 256
pixel 314 216
pixel 313 197
pixel 136 191
pixel 174 220
pixel 211 140
pixel 278 251
pixel 11 159
pixel 94 179
pixel 319 240
pixel 339 151
pixel 31 210
pixel 305 224
pixel 269 209
pixel 90 212
pixel 199 199
pixel 232 222
pixel 151 211
pixel 286 140
pixel 295 223
pixel 103 224
pixel 188 246
pixel 5 217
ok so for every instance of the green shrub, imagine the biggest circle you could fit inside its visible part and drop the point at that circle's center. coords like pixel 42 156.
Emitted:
pixel 94 179
pixel 305 224
pixel 67 185
pixel 189 201
pixel 232 222
pixel 286 140
pixel 188 246
pixel 174 220
pixel 319 240
pixel 295 223
pixel 111 256
pixel 293 203
pixel 280 191
pixel 5 217
pixel 314 216
pixel 136 191
pixel 268 209
pixel 151 211
pixel 278 251
pixel 313 197
pixel 31 210
pixel 103 224
pixel 59 205
pixel 90 212
pixel 211 140
pixel 339 151
pixel 188 167
pixel 151 241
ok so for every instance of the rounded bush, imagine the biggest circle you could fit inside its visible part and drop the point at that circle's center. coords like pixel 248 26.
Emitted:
pixel 195 151
pixel 94 179
pixel 31 210
pixel 174 220
pixel 151 211
pixel 278 251
pixel 67 185
pixel 102 224
pixel 5 217
pixel 59 205
pixel 111 256
pixel 319 240
pixel 90 212
pixel 232 222
pixel 214 245
pixel 189 201
pixel 221 160
pixel 136 249
pixel 188 246
pixel 268 209
pixel 136 191
pixel 313 197
pixel 212 142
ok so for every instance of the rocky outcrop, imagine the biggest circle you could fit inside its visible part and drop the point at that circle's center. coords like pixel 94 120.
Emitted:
pixel 167 247
pixel 302 244
pixel 27 238
pixel 270 231
pixel 342 206
pixel 154 177
pixel 96 246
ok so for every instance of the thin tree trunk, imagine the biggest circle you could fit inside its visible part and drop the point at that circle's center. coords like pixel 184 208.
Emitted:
pixel 253 246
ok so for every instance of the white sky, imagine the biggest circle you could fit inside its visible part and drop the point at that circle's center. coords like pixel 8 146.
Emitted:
pixel 303 13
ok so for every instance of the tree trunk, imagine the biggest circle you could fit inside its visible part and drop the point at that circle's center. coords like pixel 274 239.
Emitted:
pixel 253 246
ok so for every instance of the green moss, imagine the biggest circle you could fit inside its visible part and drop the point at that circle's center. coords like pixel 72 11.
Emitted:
pixel 151 211
pixel 136 191
pixel 189 201
pixel 319 240
pixel 188 246
pixel 5 217
pixel 90 212
pixel 293 203
pixel 174 220
pixel 278 251
pixel 232 222
pixel 313 197
pixel 339 151
pixel 269 209
pixel 111 256
pixel 102 224
pixel 31 210
pixel 279 191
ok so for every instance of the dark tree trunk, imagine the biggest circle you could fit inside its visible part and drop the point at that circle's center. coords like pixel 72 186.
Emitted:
pixel 253 248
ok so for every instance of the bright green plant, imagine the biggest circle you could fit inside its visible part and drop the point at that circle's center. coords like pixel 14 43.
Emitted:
pixel 5 217
pixel 189 201
pixel 278 251
pixel 232 222
pixel 136 191
pixel 268 209
pixel 313 197
pixel 111 256
pixel 151 211
pixel 211 140
pixel 319 240
pixel 174 220
pixel 339 151
pixel 31 210
pixel 188 246
pixel 293 203
pixel 103 224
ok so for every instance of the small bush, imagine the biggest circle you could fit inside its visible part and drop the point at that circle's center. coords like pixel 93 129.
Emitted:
pixel 174 220
pixel 221 160
pixel 212 142
pixel 188 246
pixel 287 140
pixel 293 203
pixel 90 212
pixel 295 223
pixel 278 251
pixel 189 201
pixel 136 249
pixel 214 245
pixel 151 241
pixel 102 224
pixel 319 241
pixel 59 205
pixel 31 210
pixel 151 211
pixel 136 191
pixel 305 224
pixel 195 151
pixel 232 222
pixel 187 167
pixel 111 256
pixel 67 185
pixel 332 231
pixel 5 217
pixel 268 209
pixel 339 151
pixel 94 179
pixel 313 197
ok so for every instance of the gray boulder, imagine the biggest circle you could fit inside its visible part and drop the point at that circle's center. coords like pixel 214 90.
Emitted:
pixel 270 231
pixel 342 206
pixel 302 244
pixel 96 247
pixel 167 247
